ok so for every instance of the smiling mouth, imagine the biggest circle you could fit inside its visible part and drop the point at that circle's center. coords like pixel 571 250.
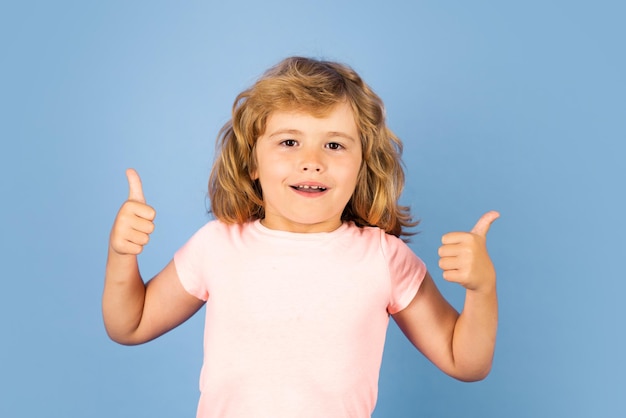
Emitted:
pixel 309 189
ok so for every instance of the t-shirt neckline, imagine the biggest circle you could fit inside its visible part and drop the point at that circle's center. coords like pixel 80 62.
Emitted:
pixel 302 236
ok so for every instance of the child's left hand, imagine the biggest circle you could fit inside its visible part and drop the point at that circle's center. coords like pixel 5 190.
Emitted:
pixel 464 258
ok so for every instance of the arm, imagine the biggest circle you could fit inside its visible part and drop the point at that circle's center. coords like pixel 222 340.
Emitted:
pixel 460 345
pixel 135 313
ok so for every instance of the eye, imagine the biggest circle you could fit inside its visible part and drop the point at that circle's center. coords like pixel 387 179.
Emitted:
pixel 334 146
pixel 289 142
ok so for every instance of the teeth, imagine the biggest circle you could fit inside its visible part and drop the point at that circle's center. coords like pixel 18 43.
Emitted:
pixel 307 187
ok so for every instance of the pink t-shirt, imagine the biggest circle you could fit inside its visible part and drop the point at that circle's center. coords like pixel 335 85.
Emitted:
pixel 295 323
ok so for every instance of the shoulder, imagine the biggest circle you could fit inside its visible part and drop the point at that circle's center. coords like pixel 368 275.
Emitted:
pixel 400 257
pixel 216 233
pixel 366 233
pixel 217 227
pixel 389 244
pixel 374 240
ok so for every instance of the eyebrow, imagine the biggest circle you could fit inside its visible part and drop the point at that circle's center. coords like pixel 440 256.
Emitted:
pixel 329 134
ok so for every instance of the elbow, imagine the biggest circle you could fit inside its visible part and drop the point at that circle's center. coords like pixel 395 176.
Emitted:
pixel 122 338
pixel 124 341
pixel 122 332
pixel 474 375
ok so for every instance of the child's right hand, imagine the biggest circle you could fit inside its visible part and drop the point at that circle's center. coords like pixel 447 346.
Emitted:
pixel 134 222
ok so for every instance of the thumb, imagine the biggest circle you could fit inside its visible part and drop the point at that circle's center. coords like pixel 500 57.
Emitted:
pixel 484 223
pixel 135 191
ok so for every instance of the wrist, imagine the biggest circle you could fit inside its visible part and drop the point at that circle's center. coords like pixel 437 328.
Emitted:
pixel 485 289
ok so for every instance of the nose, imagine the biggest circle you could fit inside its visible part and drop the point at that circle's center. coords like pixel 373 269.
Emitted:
pixel 312 161
pixel 311 168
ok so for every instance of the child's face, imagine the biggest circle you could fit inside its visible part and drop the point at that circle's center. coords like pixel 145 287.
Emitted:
pixel 308 169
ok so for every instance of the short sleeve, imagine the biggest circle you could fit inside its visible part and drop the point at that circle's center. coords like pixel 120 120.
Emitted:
pixel 406 272
pixel 189 261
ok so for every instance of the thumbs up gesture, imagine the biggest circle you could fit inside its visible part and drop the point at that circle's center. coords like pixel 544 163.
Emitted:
pixel 464 258
pixel 134 222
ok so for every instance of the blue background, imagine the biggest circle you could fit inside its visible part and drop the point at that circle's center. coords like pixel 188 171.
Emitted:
pixel 514 106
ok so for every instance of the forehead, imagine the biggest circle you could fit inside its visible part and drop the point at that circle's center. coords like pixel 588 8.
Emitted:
pixel 339 117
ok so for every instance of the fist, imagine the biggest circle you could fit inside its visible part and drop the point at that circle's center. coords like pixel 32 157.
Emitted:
pixel 464 258
pixel 134 222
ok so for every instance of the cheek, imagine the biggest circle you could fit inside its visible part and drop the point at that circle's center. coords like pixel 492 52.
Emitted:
pixel 360 182
pixel 360 172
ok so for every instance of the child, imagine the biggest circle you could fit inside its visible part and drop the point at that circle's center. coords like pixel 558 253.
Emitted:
pixel 303 265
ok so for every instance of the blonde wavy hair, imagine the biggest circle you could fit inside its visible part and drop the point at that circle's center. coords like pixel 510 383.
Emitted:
pixel 314 86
